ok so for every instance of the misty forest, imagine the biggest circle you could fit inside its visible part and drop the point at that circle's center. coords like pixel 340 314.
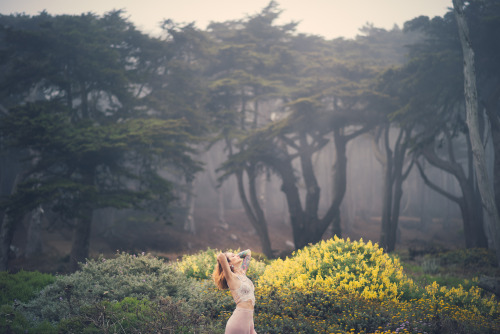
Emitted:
pixel 364 174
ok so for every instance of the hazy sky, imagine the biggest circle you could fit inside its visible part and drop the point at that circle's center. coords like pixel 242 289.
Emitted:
pixel 329 18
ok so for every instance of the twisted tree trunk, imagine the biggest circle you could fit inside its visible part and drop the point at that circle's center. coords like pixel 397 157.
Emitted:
pixel 471 106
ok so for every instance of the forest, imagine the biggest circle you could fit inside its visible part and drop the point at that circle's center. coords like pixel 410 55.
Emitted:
pixel 363 173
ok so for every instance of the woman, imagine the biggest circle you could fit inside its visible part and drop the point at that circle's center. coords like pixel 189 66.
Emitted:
pixel 230 273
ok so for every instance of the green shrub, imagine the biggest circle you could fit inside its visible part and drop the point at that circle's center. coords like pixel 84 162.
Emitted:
pixel 132 315
pixel 12 321
pixel 140 276
pixel 22 286
pixel 208 300
pixel 470 257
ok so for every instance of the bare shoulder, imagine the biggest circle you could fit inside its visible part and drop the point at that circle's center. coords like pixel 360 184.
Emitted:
pixel 232 281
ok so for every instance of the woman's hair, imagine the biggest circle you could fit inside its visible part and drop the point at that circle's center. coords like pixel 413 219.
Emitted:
pixel 218 276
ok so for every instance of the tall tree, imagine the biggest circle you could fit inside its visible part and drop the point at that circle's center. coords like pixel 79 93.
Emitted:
pixel 433 80
pixel 471 106
pixel 93 137
pixel 249 69
pixel 397 166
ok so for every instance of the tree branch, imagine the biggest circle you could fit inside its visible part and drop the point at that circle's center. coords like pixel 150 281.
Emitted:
pixel 435 187
pixel 376 149
pixel 357 132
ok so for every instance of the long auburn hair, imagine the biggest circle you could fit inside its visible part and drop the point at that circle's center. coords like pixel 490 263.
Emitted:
pixel 218 276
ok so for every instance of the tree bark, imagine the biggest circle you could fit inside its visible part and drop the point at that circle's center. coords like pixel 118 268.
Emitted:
pixel 471 106
pixel 81 240
pixel 387 194
pixel 307 226
pixel 394 175
pixel 282 163
pixel 339 186
pixel 495 134
pixel 34 237
pixel 189 222
pixel 253 210
pixel 7 229
pixel 81 232
pixel 6 235
pixel 470 207
pixel 217 188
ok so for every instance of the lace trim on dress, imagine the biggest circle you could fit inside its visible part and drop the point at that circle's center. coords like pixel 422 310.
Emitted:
pixel 245 292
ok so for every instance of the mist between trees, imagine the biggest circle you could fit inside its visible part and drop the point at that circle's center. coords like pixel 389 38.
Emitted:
pixel 100 120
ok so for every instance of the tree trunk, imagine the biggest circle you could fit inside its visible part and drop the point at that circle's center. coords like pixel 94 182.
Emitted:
pixel 338 188
pixel 470 207
pixel 471 106
pixel 253 210
pixel 221 211
pixel 6 235
pixel 289 188
pixel 34 238
pixel 7 228
pixel 217 188
pixel 83 224
pixel 81 240
pixel 491 112
pixel 189 223
pixel 307 227
pixel 385 234
pixel 472 213
pixel 394 163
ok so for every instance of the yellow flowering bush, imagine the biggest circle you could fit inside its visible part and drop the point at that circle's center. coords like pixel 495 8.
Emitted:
pixel 342 266
pixel 471 299
pixel 339 286
pixel 201 265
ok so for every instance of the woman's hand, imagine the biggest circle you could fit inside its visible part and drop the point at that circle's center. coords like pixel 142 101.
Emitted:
pixel 220 256
pixel 245 253
pixel 247 256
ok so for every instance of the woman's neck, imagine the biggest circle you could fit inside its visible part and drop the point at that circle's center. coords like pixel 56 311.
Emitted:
pixel 238 271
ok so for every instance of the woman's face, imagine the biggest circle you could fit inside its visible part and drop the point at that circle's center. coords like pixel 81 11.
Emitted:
pixel 233 259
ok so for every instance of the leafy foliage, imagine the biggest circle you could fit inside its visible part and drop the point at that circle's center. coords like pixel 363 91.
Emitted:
pixel 72 150
pixel 22 286
pixel 131 315
pixel 140 293
pixel 140 276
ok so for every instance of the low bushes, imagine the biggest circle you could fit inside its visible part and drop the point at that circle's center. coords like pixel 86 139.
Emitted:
pixel 140 276
pixel 22 286
pixel 335 286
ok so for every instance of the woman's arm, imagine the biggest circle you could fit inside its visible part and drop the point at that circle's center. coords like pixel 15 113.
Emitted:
pixel 221 257
pixel 247 256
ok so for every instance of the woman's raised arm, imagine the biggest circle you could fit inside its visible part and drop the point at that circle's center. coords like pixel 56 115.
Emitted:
pixel 247 256
pixel 221 257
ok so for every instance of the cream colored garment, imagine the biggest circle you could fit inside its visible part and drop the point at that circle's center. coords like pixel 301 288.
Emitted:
pixel 245 292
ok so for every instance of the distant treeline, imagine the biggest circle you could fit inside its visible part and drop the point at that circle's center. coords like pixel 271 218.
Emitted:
pixel 97 114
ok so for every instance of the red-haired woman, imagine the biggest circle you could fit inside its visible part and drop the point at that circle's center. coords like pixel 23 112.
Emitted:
pixel 230 273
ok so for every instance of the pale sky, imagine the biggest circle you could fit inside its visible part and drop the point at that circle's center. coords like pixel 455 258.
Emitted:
pixel 328 18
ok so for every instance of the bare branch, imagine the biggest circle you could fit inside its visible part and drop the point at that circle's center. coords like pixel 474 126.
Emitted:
pixel 376 149
pixel 435 187
pixel 357 132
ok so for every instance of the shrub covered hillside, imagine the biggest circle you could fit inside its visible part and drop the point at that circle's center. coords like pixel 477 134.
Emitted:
pixel 335 286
